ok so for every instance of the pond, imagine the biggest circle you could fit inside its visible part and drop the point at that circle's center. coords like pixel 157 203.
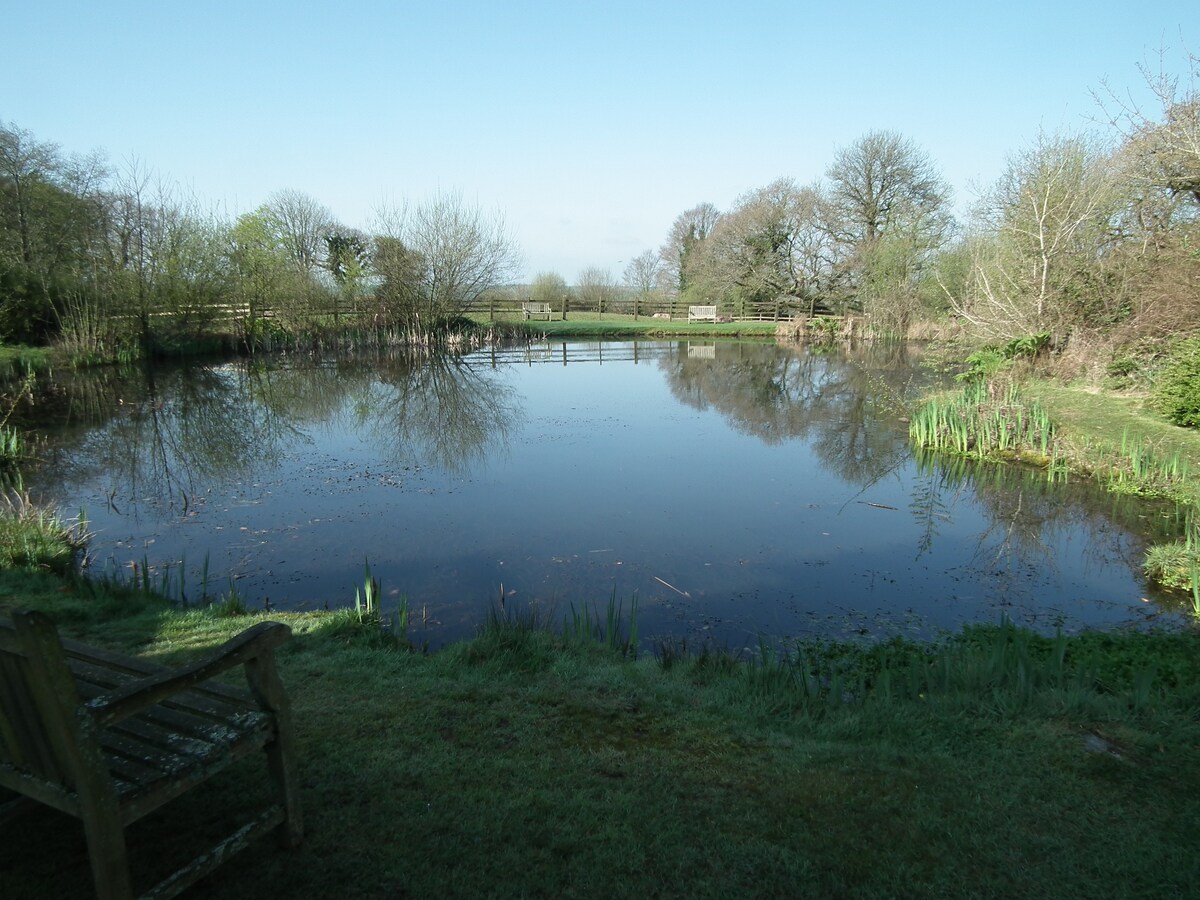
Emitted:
pixel 738 490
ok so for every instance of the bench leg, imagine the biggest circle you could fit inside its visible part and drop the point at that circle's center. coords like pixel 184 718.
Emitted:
pixel 107 853
pixel 265 684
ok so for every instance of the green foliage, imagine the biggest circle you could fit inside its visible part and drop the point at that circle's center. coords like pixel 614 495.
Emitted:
pixel 1177 387
pixel 231 605
pixel 549 287
pixel 1171 564
pixel 12 450
pixel 1029 345
pixel 982 365
pixel 990 359
pixel 366 602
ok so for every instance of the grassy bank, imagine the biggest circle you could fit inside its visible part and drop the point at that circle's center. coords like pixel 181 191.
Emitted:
pixel 524 763
pixel 1096 422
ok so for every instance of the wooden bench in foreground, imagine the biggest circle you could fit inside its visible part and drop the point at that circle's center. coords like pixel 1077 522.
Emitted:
pixel 537 310
pixel 108 738
pixel 702 314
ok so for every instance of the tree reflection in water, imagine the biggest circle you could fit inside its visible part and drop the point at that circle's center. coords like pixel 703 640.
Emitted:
pixel 289 470
pixel 158 437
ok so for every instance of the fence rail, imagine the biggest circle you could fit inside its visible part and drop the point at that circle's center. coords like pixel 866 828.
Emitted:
pixel 494 308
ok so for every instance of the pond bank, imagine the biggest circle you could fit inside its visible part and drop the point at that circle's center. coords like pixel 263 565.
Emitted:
pixel 519 763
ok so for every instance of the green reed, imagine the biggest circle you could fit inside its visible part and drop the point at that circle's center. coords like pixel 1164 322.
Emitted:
pixel 588 626
pixel 366 601
pixel 980 421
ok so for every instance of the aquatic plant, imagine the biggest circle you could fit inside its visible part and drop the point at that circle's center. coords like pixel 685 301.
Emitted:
pixel 366 601
pixel 983 420
pixel 587 626
pixel 1137 467
pixel 231 604
pixel 12 448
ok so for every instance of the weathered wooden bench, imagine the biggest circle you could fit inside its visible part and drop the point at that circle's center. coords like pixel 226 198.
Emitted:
pixel 108 738
pixel 537 310
pixel 702 314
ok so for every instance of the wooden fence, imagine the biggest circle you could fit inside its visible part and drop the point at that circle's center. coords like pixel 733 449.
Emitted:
pixel 501 307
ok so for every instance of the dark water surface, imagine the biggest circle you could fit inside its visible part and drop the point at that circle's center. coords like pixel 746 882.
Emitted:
pixel 738 489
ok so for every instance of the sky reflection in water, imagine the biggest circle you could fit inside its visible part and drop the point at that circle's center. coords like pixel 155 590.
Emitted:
pixel 738 489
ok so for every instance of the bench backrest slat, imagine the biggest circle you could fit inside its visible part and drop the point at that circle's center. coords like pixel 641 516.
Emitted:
pixel 39 733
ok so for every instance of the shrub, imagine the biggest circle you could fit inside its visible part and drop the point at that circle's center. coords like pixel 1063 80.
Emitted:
pixel 1177 388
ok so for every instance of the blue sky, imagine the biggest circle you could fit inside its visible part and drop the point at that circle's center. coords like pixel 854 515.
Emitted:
pixel 588 125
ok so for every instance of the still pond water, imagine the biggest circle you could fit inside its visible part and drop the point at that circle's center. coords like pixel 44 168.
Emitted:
pixel 737 489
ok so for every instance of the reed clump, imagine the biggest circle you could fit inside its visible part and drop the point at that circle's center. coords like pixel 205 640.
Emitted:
pixel 984 420
pixel 34 536
pixel 1137 466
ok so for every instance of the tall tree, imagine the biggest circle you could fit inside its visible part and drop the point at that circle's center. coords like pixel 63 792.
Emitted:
pixel 689 230
pixel 51 229
pixel 549 287
pixel 262 265
pixel 881 181
pixel 596 288
pixel 767 255
pixel 881 186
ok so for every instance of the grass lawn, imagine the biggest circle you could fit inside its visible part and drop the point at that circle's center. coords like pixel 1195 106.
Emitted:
pixel 520 765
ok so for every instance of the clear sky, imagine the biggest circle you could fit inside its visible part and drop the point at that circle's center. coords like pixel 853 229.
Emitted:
pixel 588 125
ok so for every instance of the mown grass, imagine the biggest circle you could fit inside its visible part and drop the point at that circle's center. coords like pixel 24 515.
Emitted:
pixel 529 763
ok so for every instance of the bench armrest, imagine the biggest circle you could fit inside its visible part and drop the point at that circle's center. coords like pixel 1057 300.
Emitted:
pixel 132 698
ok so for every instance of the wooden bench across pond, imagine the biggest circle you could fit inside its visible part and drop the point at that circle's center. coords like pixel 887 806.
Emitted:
pixel 702 314
pixel 537 310
pixel 108 738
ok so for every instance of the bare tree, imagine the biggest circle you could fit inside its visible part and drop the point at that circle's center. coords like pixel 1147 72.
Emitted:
pixel 303 225
pixel 595 288
pixel 1044 225
pixel 1167 147
pixel 463 252
pixel 644 273
pixel 880 181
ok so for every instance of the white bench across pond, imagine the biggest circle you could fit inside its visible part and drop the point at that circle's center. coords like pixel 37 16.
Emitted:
pixel 702 314
pixel 537 310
